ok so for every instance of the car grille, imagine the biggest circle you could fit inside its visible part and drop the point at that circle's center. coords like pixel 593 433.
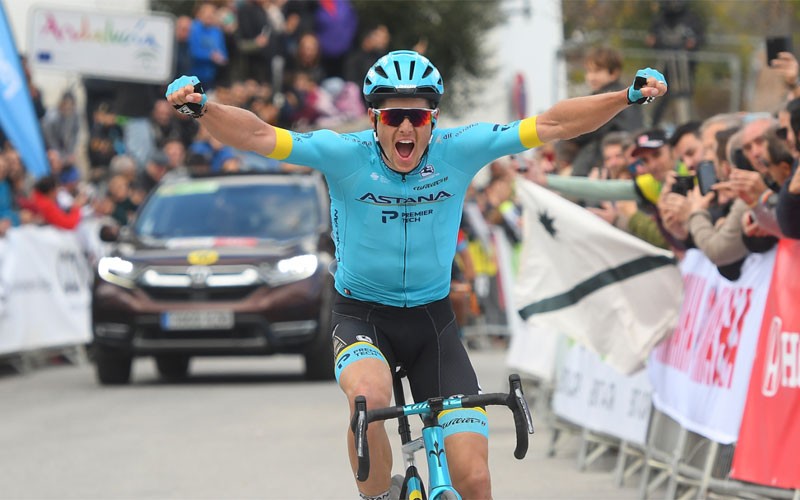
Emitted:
pixel 215 294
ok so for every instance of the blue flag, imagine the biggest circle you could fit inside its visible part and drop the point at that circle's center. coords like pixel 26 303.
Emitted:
pixel 17 116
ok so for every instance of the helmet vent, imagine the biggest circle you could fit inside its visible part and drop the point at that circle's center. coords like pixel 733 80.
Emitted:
pixel 411 70
pixel 381 72
pixel 397 69
pixel 428 71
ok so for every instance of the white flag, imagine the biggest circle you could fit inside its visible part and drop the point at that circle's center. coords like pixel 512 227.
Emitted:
pixel 609 290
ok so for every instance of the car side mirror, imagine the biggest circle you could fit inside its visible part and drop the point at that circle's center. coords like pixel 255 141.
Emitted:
pixel 109 233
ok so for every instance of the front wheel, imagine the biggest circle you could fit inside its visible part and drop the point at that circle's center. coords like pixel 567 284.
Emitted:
pixel 319 354
pixel 113 366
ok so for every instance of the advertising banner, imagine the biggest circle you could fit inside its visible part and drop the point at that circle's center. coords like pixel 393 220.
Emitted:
pixel 766 452
pixel 124 46
pixel 700 374
pixel 593 395
pixel 46 282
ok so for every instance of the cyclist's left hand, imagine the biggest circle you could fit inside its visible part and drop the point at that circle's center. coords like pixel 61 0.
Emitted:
pixel 647 85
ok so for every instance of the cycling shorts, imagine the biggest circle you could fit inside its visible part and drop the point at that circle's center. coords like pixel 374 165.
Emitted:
pixel 423 339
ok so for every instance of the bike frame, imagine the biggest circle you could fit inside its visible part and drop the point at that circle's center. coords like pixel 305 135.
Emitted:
pixel 432 441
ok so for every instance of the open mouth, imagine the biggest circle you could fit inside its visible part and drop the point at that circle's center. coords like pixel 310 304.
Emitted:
pixel 404 149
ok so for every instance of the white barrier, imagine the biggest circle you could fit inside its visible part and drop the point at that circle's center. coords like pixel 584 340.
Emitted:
pixel 45 294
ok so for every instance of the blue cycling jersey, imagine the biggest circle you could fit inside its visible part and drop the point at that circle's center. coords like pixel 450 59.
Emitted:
pixel 396 234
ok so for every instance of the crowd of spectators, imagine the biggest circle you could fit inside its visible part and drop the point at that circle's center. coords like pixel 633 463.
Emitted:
pixel 727 185
pixel 299 65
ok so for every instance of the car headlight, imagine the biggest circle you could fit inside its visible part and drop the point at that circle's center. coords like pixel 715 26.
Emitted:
pixel 117 271
pixel 290 270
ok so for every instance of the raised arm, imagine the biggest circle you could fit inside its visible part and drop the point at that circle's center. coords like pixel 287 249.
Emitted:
pixel 230 125
pixel 572 117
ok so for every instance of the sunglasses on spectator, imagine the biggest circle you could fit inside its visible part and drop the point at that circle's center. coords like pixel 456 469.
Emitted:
pixel 393 117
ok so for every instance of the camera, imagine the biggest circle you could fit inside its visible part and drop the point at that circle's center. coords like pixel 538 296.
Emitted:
pixel 683 184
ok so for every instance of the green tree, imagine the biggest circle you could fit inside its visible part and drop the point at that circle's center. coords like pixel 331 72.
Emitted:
pixel 453 33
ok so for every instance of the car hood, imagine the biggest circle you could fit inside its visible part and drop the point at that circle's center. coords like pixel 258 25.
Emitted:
pixel 208 251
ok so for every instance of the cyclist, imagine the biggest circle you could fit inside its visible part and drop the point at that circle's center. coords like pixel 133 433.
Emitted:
pixel 396 199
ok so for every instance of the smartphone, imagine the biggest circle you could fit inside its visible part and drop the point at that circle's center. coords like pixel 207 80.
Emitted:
pixel 706 176
pixel 740 161
pixel 776 44
pixel 683 184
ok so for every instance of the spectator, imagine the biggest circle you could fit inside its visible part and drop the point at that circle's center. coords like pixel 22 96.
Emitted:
pixel 308 59
pixel 687 145
pixel 603 67
pixel 166 126
pixel 207 45
pixel 176 154
pixel 677 29
pixel 761 219
pixel 155 170
pixel 258 41
pixel 120 206
pixel 43 199
pixel 105 141
pixel 9 215
pixel 227 20
pixel 183 56
pixel 336 24
pixel 216 153
pixel 374 44
pixel 61 127
pixel 788 208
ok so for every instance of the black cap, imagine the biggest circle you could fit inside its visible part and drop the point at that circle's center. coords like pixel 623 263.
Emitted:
pixel 649 140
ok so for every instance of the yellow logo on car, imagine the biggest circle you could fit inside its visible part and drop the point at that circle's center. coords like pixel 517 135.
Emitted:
pixel 203 257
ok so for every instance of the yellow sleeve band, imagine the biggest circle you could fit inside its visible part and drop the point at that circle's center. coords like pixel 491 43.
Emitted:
pixel 527 133
pixel 283 144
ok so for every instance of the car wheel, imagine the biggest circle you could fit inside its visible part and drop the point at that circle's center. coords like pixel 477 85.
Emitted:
pixel 319 354
pixel 113 366
pixel 173 367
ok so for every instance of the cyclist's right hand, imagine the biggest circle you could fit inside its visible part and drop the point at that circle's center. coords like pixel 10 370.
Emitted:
pixel 186 95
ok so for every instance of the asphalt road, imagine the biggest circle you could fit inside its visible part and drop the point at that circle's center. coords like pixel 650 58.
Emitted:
pixel 239 428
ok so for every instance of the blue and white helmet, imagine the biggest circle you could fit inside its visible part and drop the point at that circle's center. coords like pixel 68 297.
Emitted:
pixel 403 73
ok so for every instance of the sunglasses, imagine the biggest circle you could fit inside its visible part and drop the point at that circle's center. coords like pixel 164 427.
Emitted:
pixel 393 117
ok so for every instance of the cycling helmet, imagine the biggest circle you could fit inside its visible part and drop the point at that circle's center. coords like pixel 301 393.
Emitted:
pixel 403 73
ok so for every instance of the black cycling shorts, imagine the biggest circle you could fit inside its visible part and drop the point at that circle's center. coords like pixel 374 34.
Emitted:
pixel 423 339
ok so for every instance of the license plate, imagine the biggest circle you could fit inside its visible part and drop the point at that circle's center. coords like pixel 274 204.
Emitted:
pixel 197 320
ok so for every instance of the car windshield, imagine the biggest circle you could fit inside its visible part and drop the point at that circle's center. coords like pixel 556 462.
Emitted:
pixel 209 208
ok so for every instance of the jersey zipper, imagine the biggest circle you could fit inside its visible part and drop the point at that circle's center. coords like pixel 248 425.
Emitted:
pixel 405 239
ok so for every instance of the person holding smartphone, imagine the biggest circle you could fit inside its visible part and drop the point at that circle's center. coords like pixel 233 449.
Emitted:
pixel 781 58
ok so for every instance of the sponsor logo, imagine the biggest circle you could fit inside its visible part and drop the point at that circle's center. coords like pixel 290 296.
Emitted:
pixel 364 338
pixel 429 185
pixel 338 344
pixel 69 272
pixel 782 363
pixel 198 275
pixel 463 420
pixel 202 257
pixel 502 128
pixel 387 215
pixel 427 171
pixel 399 200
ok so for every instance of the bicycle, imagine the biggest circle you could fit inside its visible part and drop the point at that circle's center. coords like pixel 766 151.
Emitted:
pixel 432 440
